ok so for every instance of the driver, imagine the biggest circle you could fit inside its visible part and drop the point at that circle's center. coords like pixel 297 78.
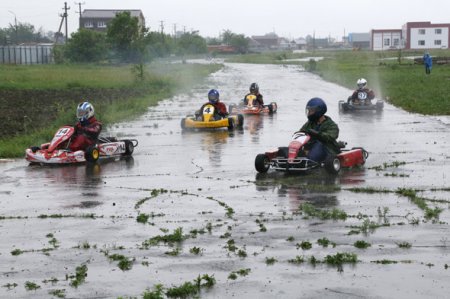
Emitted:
pixel 363 95
pixel 254 91
pixel 87 128
pixel 322 129
pixel 213 98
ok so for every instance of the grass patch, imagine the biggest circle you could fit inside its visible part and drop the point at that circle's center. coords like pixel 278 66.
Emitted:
pixel 79 277
pixel 271 261
pixel 341 258
pixel 31 286
pixel 59 293
pixel 361 244
pixel 297 260
pixel 305 245
pixel 335 214
pixel 324 242
pixel 175 237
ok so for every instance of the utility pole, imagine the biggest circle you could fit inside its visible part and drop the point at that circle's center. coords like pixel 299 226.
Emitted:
pixel 79 7
pixel 162 27
pixel 63 18
pixel 15 26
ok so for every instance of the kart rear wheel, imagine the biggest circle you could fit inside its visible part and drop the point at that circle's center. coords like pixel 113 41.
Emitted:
pixel 129 148
pixel 240 118
pixel 92 154
pixel 183 124
pixel 230 124
pixel 332 164
pixel 262 163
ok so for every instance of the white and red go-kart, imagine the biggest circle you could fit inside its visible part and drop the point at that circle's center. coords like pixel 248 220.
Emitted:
pixel 293 159
pixel 57 151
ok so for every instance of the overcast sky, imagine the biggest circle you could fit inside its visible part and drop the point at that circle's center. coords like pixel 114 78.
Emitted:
pixel 288 18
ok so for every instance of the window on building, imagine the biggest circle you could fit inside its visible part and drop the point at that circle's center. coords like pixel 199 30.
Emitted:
pixel 437 42
pixel 88 24
pixel 421 43
pixel 396 42
pixel 101 24
pixel 438 31
pixel 387 42
pixel 421 31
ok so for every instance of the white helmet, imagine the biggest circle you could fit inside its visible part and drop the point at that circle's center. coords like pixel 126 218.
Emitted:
pixel 361 83
pixel 85 111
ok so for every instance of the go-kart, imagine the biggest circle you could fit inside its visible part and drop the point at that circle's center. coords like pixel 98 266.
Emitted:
pixel 293 158
pixel 207 118
pixel 57 151
pixel 362 103
pixel 252 107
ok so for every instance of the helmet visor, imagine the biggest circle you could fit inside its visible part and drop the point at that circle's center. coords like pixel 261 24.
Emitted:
pixel 310 110
pixel 82 114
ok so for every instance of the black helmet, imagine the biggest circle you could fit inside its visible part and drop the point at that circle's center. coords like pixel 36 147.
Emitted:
pixel 315 108
pixel 254 88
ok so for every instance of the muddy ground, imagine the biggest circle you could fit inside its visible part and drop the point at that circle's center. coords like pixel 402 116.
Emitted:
pixel 192 204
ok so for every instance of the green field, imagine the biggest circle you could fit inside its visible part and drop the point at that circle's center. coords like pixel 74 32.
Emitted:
pixel 37 99
pixel 391 74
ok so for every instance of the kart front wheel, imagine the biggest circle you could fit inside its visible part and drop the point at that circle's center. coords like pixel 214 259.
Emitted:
pixel 262 163
pixel 92 154
pixel 332 164
pixel 230 124
pixel 240 118
pixel 129 148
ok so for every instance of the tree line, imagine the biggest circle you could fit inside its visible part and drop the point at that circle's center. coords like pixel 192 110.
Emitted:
pixel 123 41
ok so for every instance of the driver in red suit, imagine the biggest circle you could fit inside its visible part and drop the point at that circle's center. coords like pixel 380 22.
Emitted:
pixel 87 128
pixel 367 93
pixel 213 99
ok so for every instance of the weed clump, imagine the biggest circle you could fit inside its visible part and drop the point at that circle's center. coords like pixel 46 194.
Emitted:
pixel 335 214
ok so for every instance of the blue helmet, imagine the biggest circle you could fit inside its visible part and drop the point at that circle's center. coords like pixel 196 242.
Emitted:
pixel 315 108
pixel 213 96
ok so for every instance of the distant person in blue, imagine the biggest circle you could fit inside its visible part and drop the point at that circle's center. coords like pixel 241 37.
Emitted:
pixel 428 62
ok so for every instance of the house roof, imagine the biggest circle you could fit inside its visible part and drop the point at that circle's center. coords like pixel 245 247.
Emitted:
pixel 108 13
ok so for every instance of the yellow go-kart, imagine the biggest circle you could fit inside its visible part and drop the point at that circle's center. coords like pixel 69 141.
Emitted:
pixel 207 118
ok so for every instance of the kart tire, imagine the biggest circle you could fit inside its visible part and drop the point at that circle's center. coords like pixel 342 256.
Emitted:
pixel 283 152
pixel 379 106
pixel 129 148
pixel 92 154
pixel 274 107
pixel 262 163
pixel 230 124
pixel 240 118
pixel 183 124
pixel 332 164
pixel 270 108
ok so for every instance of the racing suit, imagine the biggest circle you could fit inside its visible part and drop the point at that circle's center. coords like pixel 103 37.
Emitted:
pixel 324 139
pixel 370 96
pixel 219 109
pixel 259 99
pixel 86 134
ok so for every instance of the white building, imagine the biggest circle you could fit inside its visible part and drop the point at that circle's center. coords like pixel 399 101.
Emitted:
pixel 424 35
pixel 385 39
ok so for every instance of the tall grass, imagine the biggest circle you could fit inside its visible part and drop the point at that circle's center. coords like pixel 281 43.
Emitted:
pixel 391 74
pixel 161 81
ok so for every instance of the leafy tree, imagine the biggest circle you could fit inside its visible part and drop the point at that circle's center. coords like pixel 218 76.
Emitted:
pixel 126 37
pixel 191 43
pixel 159 44
pixel 239 41
pixel 22 33
pixel 86 46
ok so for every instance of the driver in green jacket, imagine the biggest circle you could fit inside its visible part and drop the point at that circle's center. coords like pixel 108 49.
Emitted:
pixel 322 129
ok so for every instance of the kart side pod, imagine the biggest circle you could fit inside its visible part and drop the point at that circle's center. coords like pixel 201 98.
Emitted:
pixel 353 157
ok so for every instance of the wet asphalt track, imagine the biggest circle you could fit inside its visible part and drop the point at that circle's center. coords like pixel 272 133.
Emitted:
pixel 206 175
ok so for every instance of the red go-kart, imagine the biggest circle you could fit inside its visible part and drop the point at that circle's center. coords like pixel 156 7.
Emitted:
pixel 252 107
pixel 293 158
pixel 57 151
